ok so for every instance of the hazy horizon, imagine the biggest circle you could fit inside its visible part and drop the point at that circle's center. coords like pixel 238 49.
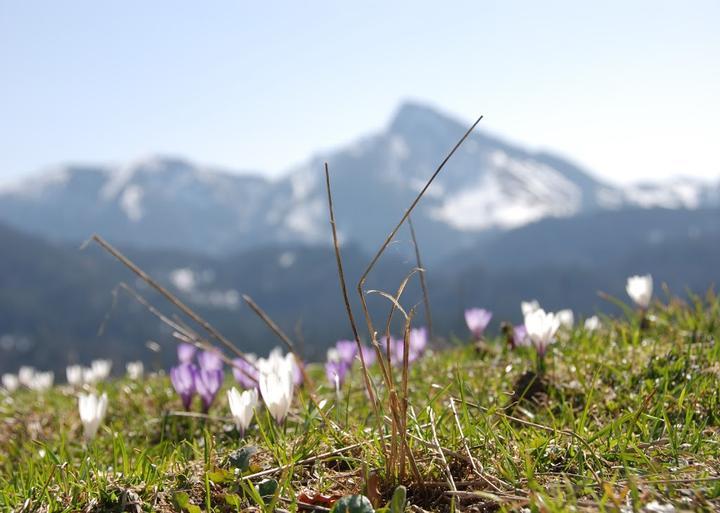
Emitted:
pixel 625 91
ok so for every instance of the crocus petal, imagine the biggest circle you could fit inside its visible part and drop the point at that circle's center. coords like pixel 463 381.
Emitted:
pixel 10 382
pixel 89 376
pixel 210 360
pixel 477 320
pixel 640 289
pixel 297 370
pixel 336 370
pixel 541 329
pixel 244 371
pixel 242 406
pixel 208 383
pixel 101 369
pixel 135 370
pixel 347 350
pixel 566 318
pixel 520 336
pixel 25 375
pixel 368 354
pixel 276 383
pixel 529 307
pixel 417 343
pixel 42 381
pixel 592 323
pixel 74 374
pixel 92 411
pixel 182 378
pixel 186 352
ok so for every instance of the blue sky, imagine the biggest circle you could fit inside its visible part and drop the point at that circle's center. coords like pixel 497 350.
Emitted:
pixel 628 89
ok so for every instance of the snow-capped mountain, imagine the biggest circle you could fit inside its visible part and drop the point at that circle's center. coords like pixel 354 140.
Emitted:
pixel 488 186
pixel 155 202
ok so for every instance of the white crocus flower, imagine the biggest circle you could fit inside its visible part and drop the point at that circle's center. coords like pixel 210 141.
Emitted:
pixel 275 380
pixel 566 318
pixel 333 355
pixel 10 382
pixel 92 412
pixel 101 369
pixel 88 376
pixel 74 375
pixel 541 329
pixel 42 381
pixel 336 381
pixel 25 375
pixel 656 507
pixel 135 370
pixel 529 307
pixel 592 323
pixel 242 406
pixel 640 289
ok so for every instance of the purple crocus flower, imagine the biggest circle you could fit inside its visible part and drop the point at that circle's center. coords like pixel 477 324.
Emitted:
pixel 297 372
pixel 210 360
pixel 336 368
pixel 383 342
pixel 477 320
pixel 417 342
pixel 520 336
pixel 339 362
pixel 368 354
pixel 244 371
pixel 208 383
pixel 183 380
pixel 347 351
pixel 397 350
pixel 186 352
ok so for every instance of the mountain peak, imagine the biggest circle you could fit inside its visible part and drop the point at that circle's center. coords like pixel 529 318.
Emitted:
pixel 414 116
pixel 159 162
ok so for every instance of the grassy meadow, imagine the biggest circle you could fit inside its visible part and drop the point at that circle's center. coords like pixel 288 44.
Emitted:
pixel 624 419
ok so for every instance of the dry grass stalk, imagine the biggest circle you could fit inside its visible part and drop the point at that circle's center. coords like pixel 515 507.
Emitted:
pixel 346 299
pixel 169 296
pixel 182 332
pixel 473 463
pixel 423 281
pixel 441 453
pixel 387 373
pixel 404 392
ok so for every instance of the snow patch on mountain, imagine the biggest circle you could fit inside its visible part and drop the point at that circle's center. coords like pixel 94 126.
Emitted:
pixel 183 279
pixel 159 173
pixel 118 178
pixel 131 202
pixel 471 146
pixel 35 187
pixel 305 219
pixel 512 193
pixel 610 198
pixel 196 287
pixel 679 193
pixel 399 147
pixel 303 182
